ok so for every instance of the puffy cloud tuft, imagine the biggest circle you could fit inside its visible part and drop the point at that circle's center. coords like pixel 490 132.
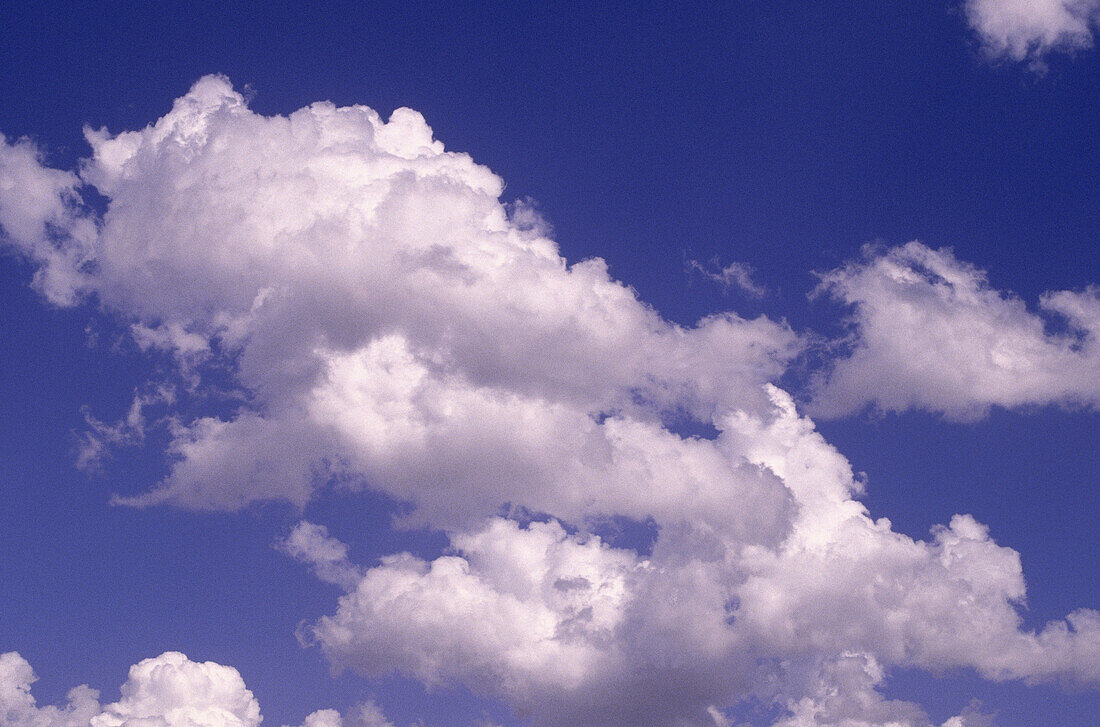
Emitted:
pixel 1030 29
pixel 842 694
pixel 173 691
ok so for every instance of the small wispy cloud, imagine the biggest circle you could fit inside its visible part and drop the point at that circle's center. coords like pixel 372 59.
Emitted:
pixel 1028 30
pixel 734 276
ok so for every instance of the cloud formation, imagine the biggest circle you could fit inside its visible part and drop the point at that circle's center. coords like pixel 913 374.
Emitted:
pixel 386 317
pixel 388 323
pixel 1031 29
pixel 167 691
pixel 569 630
pixel 931 334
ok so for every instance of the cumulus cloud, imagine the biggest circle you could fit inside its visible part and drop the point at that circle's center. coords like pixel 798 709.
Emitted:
pixel 1030 29
pixel 173 691
pixel 168 691
pixel 931 334
pixel 567 629
pixel 18 707
pixel 391 320
pixel 386 322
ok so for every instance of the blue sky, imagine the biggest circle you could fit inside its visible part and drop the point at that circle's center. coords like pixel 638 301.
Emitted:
pixel 332 322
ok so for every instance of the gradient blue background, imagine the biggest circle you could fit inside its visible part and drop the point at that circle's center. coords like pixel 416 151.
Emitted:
pixel 780 134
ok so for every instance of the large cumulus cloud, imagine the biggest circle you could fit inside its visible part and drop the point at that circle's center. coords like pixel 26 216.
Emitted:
pixel 387 322
pixel 386 316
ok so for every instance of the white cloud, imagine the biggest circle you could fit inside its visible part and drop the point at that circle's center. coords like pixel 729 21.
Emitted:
pixel 167 691
pixel 100 437
pixel 19 709
pixel 1030 29
pixel 367 714
pixel 173 691
pixel 568 630
pixel 41 219
pixel 311 543
pixel 931 334
pixel 734 275
pixel 388 319
pixel 393 325
pixel 842 694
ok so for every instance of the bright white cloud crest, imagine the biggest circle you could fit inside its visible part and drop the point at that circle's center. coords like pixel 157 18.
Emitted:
pixel 393 326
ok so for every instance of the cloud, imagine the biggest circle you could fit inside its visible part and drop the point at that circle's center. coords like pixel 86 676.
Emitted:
pixel 843 695
pixel 382 320
pixel 19 709
pixel 100 437
pixel 567 629
pixel 931 334
pixel 1031 29
pixel 391 321
pixel 168 691
pixel 311 543
pixel 735 275
pixel 366 714
pixel 41 218
pixel 173 691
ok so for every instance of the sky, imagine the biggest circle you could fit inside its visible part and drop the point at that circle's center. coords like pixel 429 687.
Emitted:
pixel 456 365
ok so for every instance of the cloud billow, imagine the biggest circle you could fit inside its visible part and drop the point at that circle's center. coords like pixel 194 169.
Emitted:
pixel 395 326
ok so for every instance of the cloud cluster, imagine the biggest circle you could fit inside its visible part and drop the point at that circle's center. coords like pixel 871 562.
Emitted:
pixel 168 691
pixel 1030 29
pixel 388 323
pixel 569 630
pixel 931 334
